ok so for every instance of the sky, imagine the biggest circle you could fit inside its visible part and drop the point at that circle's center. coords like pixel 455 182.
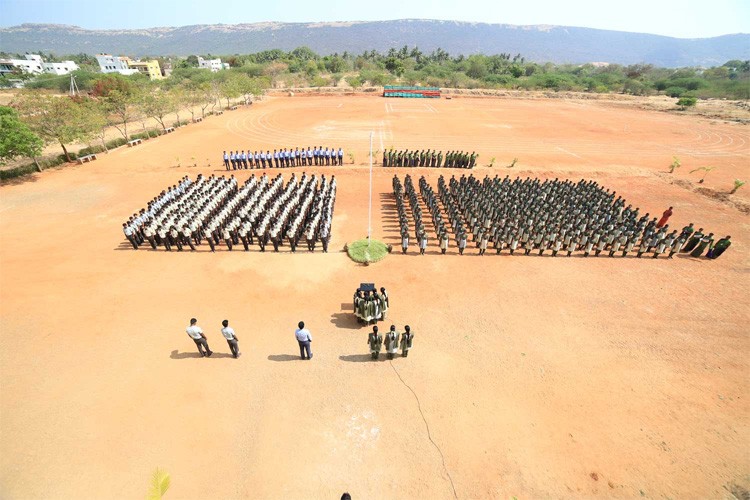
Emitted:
pixel 682 19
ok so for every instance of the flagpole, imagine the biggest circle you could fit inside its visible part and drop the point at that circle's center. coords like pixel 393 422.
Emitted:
pixel 369 210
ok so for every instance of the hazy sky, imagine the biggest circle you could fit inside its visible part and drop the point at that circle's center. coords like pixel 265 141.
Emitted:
pixel 679 18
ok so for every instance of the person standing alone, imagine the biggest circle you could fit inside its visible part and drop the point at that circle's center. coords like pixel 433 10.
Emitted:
pixel 232 339
pixel 304 338
pixel 195 333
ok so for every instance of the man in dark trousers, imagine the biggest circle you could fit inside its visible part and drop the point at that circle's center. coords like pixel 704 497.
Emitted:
pixel 304 338
pixel 232 339
pixel 195 333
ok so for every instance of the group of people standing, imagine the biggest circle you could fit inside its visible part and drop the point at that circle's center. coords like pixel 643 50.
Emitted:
pixel 216 209
pixel 371 306
pixel 429 158
pixel 535 215
pixel 393 341
pixel 283 158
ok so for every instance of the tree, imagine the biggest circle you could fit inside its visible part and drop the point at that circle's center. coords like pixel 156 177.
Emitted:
pixel 737 184
pixel 54 119
pixel 16 139
pixel 395 66
pixel 230 88
pixel 119 97
pixel 158 104
pixel 96 117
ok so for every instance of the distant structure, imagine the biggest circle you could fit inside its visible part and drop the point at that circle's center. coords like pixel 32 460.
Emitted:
pixel 150 68
pixel 35 65
pixel 213 64
pixel 404 91
pixel 113 64
pixel 126 66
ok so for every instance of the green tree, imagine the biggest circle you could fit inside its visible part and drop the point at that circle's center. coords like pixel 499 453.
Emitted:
pixel 675 164
pixel 158 104
pixel 120 98
pixel 54 119
pixel 16 139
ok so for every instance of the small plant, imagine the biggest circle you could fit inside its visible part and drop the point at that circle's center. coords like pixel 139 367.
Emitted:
pixel 159 485
pixel 675 164
pixel 351 157
pixel 492 162
pixel 705 170
pixel 177 160
pixel 686 102
pixel 513 163
pixel 737 184
pixel 192 158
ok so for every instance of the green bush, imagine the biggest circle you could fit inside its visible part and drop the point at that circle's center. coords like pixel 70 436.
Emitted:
pixel 675 91
pixel 116 143
pixel 686 102
pixel 12 173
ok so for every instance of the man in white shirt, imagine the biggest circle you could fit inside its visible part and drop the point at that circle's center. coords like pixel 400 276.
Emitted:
pixel 195 333
pixel 303 339
pixel 231 339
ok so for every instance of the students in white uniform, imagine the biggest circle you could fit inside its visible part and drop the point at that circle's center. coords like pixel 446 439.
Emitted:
pixel 195 333
pixel 232 339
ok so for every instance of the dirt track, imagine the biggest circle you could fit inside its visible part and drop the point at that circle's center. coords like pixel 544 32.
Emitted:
pixel 536 376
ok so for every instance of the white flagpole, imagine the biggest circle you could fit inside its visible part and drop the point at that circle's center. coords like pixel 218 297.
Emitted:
pixel 369 210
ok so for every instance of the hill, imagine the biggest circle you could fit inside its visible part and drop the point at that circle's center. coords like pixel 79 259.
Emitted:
pixel 558 44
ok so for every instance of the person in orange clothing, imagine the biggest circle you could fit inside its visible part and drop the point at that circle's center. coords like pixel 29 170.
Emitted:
pixel 664 217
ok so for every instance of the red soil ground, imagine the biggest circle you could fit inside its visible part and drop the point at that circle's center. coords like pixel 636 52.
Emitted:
pixel 531 376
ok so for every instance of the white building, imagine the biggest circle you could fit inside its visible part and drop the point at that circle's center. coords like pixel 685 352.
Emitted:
pixel 33 64
pixel 61 68
pixel 113 64
pixel 213 64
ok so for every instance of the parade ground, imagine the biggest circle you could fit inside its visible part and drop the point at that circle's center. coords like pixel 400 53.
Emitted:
pixel 530 377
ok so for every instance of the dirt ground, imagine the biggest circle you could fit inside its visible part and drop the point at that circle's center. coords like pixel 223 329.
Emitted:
pixel 531 377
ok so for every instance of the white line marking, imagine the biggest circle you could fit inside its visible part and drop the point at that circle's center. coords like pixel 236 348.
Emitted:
pixel 566 151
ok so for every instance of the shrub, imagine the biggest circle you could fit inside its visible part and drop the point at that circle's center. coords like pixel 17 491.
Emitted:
pixel 675 91
pixel 686 102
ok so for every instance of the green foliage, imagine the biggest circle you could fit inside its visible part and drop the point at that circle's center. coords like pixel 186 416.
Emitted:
pixel 160 482
pixel 675 91
pixel 513 163
pixel 354 81
pixel 737 184
pixel 686 102
pixel 675 164
pixel 16 139
pixel 359 251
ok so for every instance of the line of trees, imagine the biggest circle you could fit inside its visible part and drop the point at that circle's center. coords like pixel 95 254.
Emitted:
pixel 36 118
pixel 302 67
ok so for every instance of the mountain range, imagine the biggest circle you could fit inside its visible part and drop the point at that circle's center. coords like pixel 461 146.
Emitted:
pixel 539 43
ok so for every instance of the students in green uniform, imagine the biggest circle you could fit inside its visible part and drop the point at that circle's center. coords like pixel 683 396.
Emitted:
pixel 407 339
pixel 375 342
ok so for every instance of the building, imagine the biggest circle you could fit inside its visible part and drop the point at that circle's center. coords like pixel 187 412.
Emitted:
pixel 61 68
pixel 150 68
pixel 33 64
pixel 113 64
pixel 213 64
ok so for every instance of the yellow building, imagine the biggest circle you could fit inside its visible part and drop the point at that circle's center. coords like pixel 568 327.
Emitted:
pixel 150 68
